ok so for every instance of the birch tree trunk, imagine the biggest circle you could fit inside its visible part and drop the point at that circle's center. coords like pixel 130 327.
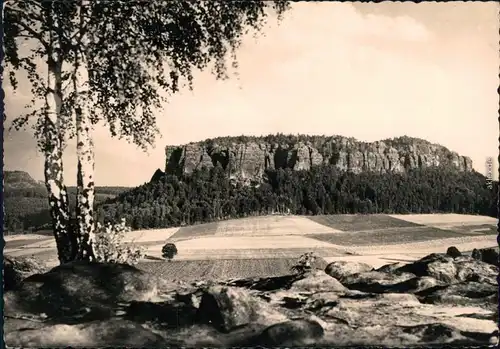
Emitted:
pixel 85 156
pixel 53 151
pixel 85 185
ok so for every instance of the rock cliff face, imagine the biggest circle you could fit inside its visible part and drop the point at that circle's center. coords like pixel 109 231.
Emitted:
pixel 248 157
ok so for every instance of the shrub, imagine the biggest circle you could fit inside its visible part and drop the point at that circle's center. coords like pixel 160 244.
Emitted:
pixel 169 251
pixel 490 256
pixel 476 254
pixel 452 251
pixel 305 263
pixel 109 246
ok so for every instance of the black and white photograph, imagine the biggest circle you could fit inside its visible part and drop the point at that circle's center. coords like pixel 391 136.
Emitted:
pixel 225 173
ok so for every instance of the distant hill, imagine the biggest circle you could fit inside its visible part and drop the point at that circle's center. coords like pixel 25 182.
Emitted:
pixel 19 180
pixel 26 205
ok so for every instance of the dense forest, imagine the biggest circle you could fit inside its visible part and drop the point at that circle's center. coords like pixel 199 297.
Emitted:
pixel 209 194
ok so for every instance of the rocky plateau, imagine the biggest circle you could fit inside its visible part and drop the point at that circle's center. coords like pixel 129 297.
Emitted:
pixel 249 157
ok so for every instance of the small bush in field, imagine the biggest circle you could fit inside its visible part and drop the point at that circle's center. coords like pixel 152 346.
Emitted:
pixel 169 251
pixel 109 246
pixel 452 251
pixel 305 263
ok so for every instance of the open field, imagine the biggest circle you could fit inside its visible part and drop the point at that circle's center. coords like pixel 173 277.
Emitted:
pixel 463 243
pixel 445 219
pixel 140 236
pixel 387 237
pixel 254 226
pixel 16 243
pixel 481 229
pixel 195 231
pixel 359 222
pixel 210 249
pixel 246 242
pixel 35 237
pixel 249 253
pixel 221 269
pixel 272 225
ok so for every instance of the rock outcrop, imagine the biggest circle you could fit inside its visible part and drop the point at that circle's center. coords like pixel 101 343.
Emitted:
pixel 438 300
pixel 249 157
pixel 16 269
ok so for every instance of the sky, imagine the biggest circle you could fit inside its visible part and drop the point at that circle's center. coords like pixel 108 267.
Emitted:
pixel 363 70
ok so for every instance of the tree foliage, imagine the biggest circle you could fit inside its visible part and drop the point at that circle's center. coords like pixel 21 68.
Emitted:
pixel 113 62
pixel 306 263
pixel 110 246
pixel 169 251
pixel 134 52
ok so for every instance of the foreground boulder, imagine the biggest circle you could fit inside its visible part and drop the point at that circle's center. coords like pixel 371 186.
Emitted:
pixel 390 268
pixel 292 333
pixel 227 308
pixel 393 308
pixel 318 281
pixel 16 269
pixel 438 266
pixel 375 281
pixel 469 269
pixel 266 283
pixel 451 270
pixel 453 252
pixel 340 269
pixel 463 293
pixel 11 276
pixel 75 286
pixel 167 314
pixel 110 333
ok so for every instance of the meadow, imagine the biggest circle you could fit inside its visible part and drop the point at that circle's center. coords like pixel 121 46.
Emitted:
pixel 270 245
pixel 387 236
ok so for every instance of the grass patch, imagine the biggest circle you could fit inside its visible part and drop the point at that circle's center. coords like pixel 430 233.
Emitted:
pixel 361 222
pixel 386 237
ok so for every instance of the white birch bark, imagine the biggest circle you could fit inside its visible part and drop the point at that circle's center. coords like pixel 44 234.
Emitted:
pixel 85 185
pixel 85 156
pixel 53 151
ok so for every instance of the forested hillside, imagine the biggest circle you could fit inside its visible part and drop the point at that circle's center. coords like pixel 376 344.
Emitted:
pixel 210 194
pixel 26 205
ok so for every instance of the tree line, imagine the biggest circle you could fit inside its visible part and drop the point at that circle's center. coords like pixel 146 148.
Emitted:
pixel 210 194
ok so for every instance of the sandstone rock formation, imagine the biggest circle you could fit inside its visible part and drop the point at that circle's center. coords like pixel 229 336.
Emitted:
pixel 437 300
pixel 18 268
pixel 248 157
